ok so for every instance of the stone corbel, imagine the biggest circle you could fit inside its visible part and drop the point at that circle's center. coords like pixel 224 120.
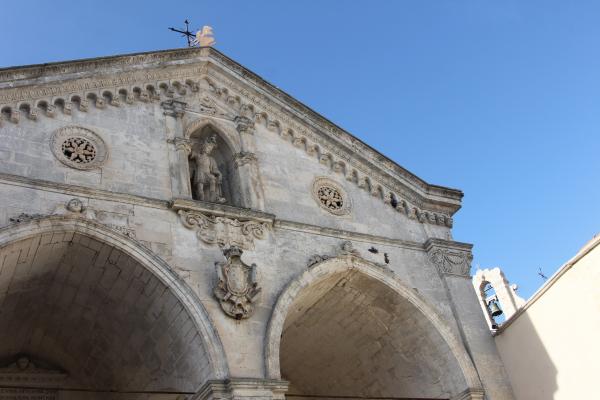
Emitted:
pixel 452 258
pixel 244 125
pixel 174 108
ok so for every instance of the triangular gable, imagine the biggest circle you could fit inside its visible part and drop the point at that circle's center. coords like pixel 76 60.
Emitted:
pixel 43 90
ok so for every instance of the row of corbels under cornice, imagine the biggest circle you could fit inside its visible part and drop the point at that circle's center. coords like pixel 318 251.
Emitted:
pixel 150 92
pixel 100 99
pixel 336 162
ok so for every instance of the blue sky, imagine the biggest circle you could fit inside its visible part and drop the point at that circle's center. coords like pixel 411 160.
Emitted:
pixel 499 99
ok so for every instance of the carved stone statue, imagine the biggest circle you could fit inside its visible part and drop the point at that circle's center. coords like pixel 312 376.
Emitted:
pixel 237 288
pixel 206 177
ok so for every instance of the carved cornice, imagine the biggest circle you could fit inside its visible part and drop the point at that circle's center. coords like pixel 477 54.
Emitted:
pixel 452 258
pixel 27 89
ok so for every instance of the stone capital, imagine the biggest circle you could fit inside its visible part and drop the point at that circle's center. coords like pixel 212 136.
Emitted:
pixel 242 388
pixel 243 158
pixel 451 258
pixel 181 144
pixel 173 108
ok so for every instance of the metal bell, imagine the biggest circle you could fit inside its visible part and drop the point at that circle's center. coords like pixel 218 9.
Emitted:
pixel 494 309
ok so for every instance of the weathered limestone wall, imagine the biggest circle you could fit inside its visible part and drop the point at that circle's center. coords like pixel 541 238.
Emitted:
pixel 142 191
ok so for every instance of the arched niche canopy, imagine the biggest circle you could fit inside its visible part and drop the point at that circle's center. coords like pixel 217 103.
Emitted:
pixel 349 328
pixel 103 309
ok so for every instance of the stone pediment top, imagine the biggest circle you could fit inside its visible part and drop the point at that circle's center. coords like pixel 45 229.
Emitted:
pixel 42 89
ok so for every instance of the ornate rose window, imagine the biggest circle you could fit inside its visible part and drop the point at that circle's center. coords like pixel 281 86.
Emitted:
pixel 331 196
pixel 79 148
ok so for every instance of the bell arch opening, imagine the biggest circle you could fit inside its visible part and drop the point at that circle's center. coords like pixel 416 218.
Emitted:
pixel 212 168
pixel 94 307
pixel 346 331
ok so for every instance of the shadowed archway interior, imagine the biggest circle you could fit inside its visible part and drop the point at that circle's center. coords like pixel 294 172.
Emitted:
pixel 350 335
pixel 86 308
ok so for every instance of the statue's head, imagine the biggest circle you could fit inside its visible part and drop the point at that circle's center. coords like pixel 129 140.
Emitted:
pixel 208 144
pixel 75 205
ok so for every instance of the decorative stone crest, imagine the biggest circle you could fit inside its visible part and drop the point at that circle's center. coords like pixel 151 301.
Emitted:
pixel 450 257
pixel 224 231
pixel 78 148
pixel 237 289
pixel 331 196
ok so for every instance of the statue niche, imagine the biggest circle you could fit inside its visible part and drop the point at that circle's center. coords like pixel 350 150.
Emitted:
pixel 210 168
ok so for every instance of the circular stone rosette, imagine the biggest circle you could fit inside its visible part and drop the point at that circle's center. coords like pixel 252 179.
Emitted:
pixel 79 148
pixel 331 196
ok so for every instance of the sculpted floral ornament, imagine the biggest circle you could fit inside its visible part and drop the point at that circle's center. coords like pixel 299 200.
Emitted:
pixel 331 196
pixel 79 148
pixel 224 231
pixel 237 289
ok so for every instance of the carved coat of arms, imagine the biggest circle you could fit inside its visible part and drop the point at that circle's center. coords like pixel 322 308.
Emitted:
pixel 237 289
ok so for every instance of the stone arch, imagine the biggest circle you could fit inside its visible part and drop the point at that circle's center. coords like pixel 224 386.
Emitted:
pixel 338 266
pixel 227 133
pixel 109 365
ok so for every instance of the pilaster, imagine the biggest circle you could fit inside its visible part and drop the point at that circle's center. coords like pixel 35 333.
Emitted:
pixel 246 163
pixel 453 262
pixel 179 150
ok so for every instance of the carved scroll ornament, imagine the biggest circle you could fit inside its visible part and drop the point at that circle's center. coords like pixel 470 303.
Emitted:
pixel 224 231
pixel 453 262
pixel 237 288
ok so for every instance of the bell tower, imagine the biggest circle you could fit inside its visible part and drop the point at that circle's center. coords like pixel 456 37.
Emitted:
pixel 499 300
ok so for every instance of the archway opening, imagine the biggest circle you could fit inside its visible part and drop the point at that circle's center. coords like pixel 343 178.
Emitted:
pixel 82 316
pixel 352 336
pixel 212 170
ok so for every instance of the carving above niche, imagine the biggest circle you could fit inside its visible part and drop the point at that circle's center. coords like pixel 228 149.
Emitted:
pixel 79 148
pixel 222 225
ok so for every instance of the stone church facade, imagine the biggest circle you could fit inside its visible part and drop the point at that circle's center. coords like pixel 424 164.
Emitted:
pixel 174 227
